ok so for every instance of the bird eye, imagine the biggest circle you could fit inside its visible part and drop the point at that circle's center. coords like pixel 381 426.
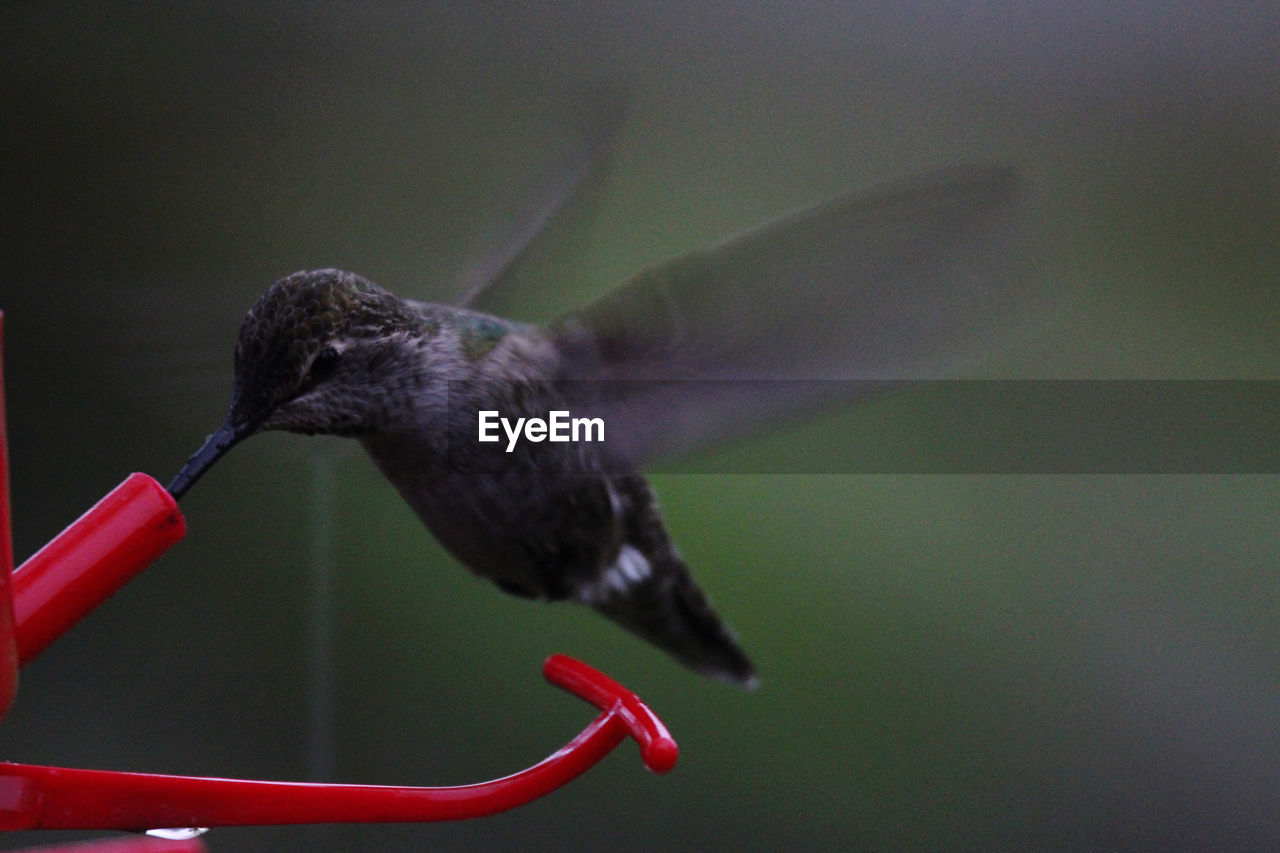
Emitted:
pixel 325 363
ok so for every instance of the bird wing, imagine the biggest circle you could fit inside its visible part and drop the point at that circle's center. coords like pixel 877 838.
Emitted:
pixel 544 224
pixel 903 281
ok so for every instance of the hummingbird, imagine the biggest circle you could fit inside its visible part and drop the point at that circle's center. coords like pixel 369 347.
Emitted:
pixel 892 282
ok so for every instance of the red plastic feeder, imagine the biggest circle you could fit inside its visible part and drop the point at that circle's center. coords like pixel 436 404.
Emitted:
pixel 124 533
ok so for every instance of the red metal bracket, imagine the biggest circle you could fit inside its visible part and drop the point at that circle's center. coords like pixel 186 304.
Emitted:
pixel 124 533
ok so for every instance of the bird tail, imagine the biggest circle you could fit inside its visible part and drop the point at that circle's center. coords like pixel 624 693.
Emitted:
pixel 654 596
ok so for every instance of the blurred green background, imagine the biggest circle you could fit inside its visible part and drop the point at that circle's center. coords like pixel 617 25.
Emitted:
pixel 948 662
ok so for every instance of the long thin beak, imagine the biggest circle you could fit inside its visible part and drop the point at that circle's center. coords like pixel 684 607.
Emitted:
pixel 214 447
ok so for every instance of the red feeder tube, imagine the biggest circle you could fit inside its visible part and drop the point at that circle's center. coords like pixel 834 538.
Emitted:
pixel 89 561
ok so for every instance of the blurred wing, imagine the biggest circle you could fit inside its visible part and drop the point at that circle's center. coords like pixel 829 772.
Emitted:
pixel 549 220
pixel 903 281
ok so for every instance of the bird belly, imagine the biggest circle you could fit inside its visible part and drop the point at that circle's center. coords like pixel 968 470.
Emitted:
pixel 534 528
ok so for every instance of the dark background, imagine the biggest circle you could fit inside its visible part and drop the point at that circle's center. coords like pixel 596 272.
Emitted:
pixel 947 661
